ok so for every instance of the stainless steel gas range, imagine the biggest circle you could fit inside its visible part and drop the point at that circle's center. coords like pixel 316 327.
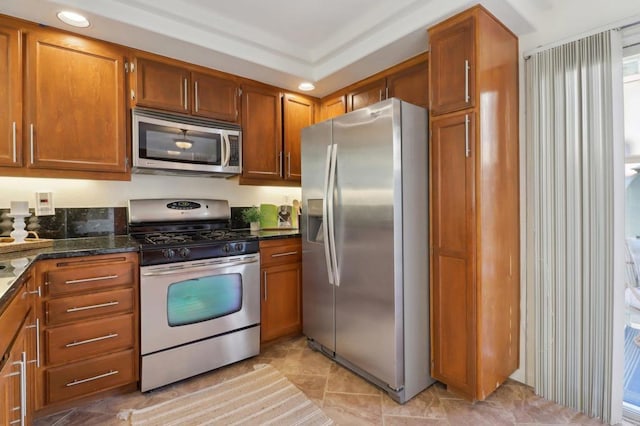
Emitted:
pixel 199 288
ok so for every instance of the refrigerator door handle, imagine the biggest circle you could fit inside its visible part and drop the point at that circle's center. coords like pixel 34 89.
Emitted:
pixel 325 215
pixel 332 228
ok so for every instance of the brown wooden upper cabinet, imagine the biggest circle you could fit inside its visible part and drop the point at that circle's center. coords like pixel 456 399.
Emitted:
pixel 261 133
pixel 171 86
pixel 453 67
pixel 410 84
pixel 367 95
pixel 10 97
pixel 407 83
pixel 55 121
pixel 297 114
pixel 72 122
pixel 271 125
pixel 333 107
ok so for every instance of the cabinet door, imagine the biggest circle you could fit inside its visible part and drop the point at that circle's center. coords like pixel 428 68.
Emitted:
pixel 411 85
pixel 6 390
pixel 453 239
pixel 281 301
pixel 298 114
pixel 10 97
pixel 367 95
pixel 261 133
pixel 215 97
pixel 13 385
pixel 452 66
pixel 333 107
pixel 75 103
pixel 161 85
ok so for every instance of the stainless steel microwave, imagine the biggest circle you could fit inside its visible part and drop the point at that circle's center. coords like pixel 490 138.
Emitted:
pixel 165 143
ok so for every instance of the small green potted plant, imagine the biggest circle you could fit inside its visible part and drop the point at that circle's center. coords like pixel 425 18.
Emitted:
pixel 252 216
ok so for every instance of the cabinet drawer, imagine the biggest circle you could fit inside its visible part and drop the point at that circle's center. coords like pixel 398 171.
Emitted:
pixel 87 377
pixel 89 278
pixel 69 309
pixel 280 251
pixel 78 341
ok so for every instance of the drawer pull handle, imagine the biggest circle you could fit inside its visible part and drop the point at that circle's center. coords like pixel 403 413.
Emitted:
pixel 23 388
pixel 95 339
pixel 101 305
pixel 90 379
pixel 37 327
pixel 86 280
pixel 289 253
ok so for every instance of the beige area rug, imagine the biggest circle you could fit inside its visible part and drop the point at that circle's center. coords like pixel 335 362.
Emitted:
pixel 261 397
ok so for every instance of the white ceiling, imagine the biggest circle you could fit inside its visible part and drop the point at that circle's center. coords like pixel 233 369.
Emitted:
pixel 330 42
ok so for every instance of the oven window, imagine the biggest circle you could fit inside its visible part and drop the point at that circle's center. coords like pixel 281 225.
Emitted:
pixel 203 299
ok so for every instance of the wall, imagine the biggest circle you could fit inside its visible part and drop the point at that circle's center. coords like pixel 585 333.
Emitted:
pixel 92 193
pixel 559 20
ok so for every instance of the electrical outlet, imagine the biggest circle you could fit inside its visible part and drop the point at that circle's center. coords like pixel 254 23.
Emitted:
pixel 44 204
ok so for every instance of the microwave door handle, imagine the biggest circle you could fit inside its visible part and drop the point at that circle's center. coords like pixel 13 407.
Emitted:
pixel 226 150
pixel 223 149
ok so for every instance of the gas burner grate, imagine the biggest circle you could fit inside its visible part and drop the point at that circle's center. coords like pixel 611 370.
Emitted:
pixel 222 235
pixel 167 238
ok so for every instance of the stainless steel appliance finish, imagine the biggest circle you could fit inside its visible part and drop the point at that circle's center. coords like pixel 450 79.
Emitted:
pixel 199 288
pixel 174 352
pixel 165 143
pixel 365 237
pixel 155 283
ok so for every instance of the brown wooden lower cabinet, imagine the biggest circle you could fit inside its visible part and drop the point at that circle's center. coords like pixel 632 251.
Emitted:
pixel 15 354
pixel 73 380
pixel 453 288
pixel 281 279
pixel 88 315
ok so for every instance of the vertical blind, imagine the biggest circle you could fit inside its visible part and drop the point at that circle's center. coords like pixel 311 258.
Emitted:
pixel 570 196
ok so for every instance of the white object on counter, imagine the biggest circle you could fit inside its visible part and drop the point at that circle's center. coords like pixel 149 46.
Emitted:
pixel 19 208
pixel 19 233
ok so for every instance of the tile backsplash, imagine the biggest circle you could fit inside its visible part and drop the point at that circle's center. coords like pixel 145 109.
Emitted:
pixel 236 218
pixel 72 222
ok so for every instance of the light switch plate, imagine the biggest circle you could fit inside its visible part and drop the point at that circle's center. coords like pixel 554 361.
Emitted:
pixel 44 204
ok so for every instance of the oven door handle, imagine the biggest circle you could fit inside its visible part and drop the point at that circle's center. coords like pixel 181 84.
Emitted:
pixel 199 267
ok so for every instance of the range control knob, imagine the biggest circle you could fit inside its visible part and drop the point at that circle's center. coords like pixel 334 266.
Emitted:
pixel 226 248
pixel 238 246
pixel 168 253
pixel 184 252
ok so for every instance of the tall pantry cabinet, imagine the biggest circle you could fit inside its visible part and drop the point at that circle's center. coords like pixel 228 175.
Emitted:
pixel 475 286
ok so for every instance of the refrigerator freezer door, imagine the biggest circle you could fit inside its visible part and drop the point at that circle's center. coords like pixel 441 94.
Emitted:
pixel 368 302
pixel 317 290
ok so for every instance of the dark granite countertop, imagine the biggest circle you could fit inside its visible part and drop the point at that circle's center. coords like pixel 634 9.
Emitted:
pixel 13 264
pixel 276 234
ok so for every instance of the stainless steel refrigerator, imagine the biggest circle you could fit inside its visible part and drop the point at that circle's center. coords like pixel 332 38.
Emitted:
pixel 365 244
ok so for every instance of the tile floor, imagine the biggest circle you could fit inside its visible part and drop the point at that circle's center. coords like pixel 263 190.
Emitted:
pixel 346 398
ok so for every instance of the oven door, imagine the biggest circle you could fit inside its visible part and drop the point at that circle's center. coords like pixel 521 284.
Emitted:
pixel 188 301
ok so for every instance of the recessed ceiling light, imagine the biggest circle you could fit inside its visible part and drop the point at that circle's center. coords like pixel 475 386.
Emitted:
pixel 73 18
pixel 306 86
